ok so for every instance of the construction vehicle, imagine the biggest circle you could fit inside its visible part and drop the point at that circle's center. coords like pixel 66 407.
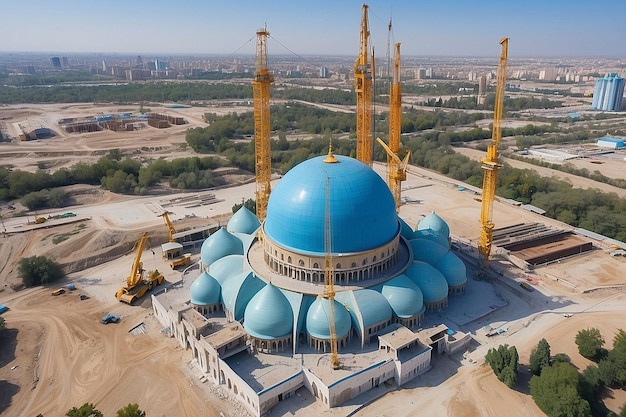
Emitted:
pixel 490 164
pixel 262 151
pixel 329 270
pixel 397 168
pixel 136 284
pixel 58 291
pixel 172 250
pixel 363 75
pixel 110 318
pixel 39 220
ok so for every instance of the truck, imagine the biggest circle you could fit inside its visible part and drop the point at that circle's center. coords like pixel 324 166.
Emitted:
pixel 110 318
pixel 138 283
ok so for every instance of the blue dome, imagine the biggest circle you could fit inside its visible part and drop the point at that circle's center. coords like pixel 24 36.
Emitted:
pixel 373 306
pixel 404 296
pixel 218 245
pixel 317 319
pixel 362 210
pixel 226 267
pixel 205 290
pixel 432 235
pixel 268 315
pixel 434 223
pixel 243 221
pixel 405 230
pixel 432 283
pixel 238 291
pixel 426 250
pixel 453 269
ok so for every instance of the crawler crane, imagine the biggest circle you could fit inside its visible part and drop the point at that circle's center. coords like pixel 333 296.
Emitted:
pixel 363 73
pixel 396 167
pixel 136 285
pixel 261 96
pixel 490 162
pixel 329 269
pixel 172 250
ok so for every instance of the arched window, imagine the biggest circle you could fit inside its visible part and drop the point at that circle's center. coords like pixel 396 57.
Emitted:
pixel 316 265
pixel 353 265
pixel 289 260
pixel 300 262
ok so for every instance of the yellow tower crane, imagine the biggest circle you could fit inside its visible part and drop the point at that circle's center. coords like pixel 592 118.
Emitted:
pixel 329 269
pixel 490 162
pixel 261 94
pixel 363 73
pixel 396 167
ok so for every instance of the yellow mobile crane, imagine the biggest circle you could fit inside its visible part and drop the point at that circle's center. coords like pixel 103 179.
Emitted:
pixel 396 167
pixel 329 269
pixel 261 96
pixel 363 73
pixel 136 285
pixel 490 162
pixel 172 250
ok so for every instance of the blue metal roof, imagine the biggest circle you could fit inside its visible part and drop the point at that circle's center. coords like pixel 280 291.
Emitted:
pixel 218 245
pixel 362 210
pixel 226 267
pixel 404 296
pixel 432 283
pixel 434 223
pixel 427 250
pixel 238 291
pixel 243 221
pixel 453 269
pixel 366 306
pixel 268 315
pixel 318 316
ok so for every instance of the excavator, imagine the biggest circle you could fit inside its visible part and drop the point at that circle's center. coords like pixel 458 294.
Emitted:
pixel 172 250
pixel 136 284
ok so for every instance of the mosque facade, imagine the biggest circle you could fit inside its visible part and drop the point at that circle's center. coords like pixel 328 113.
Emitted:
pixel 256 317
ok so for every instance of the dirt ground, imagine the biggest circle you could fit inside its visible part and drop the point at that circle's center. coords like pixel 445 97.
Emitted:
pixel 57 354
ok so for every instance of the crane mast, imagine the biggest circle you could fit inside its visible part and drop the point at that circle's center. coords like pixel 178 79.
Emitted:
pixel 261 95
pixel 363 88
pixel 170 226
pixel 329 269
pixel 490 164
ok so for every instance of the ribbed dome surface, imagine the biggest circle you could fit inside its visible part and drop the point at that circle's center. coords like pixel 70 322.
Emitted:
pixel 453 269
pixel 204 290
pixel 404 296
pixel 427 250
pixel 238 291
pixel 432 235
pixel 362 211
pixel 268 315
pixel 318 319
pixel 226 267
pixel 432 283
pixel 434 223
pixel 373 306
pixel 243 221
pixel 218 245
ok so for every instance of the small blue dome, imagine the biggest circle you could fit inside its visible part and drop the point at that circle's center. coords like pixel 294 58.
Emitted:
pixel 453 269
pixel 238 291
pixel 243 221
pixel 205 290
pixel 318 316
pixel 268 315
pixel 427 250
pixel 434 223
pixel 373 306
pixel 362 210
pixel 218 245
pixel 226 267
pixel 404 296
pixel 432 283
pixel 432 235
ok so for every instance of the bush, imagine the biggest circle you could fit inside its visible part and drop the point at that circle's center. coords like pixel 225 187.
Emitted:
pixel 589 342
pixel 38 270
pixel 540 357
pixel 504 361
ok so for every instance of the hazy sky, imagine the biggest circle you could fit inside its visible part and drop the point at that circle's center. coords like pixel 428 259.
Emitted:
pixel 325 27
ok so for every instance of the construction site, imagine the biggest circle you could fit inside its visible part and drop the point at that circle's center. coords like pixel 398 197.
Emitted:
pixel 357 288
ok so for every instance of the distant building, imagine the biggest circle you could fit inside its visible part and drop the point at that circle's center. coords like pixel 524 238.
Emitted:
pixel 609 93
pixel 324 72
pixel 482 85
pixel 65 62
pixel 613 143
pixel 420 74
pixel 549 74
pixel 55 61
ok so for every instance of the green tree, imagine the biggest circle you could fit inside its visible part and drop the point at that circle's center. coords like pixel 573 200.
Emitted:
pixel 556 392
pixel 504 361
pixel 131 410
pixel 250 204
pixel 39 270
pixel 85 410
pixel 540 357
pixel 3 325
pixel 617 356
pixel 589 342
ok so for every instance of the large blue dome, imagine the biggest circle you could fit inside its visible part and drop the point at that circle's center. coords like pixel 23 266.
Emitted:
pixel 268 315
pixel 432 283
pixel 218 245
pixel 404 296
pixel 318 316
pixel 362 210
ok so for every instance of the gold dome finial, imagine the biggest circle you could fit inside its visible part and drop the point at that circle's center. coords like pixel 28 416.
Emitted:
pixel 330 159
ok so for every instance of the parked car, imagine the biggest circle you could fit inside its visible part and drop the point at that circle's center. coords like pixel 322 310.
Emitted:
pixel 110 318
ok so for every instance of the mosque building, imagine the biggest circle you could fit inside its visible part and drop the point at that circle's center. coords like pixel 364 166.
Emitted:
pixel 256 317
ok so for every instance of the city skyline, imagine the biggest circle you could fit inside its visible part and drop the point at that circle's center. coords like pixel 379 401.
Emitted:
pixel 454 28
